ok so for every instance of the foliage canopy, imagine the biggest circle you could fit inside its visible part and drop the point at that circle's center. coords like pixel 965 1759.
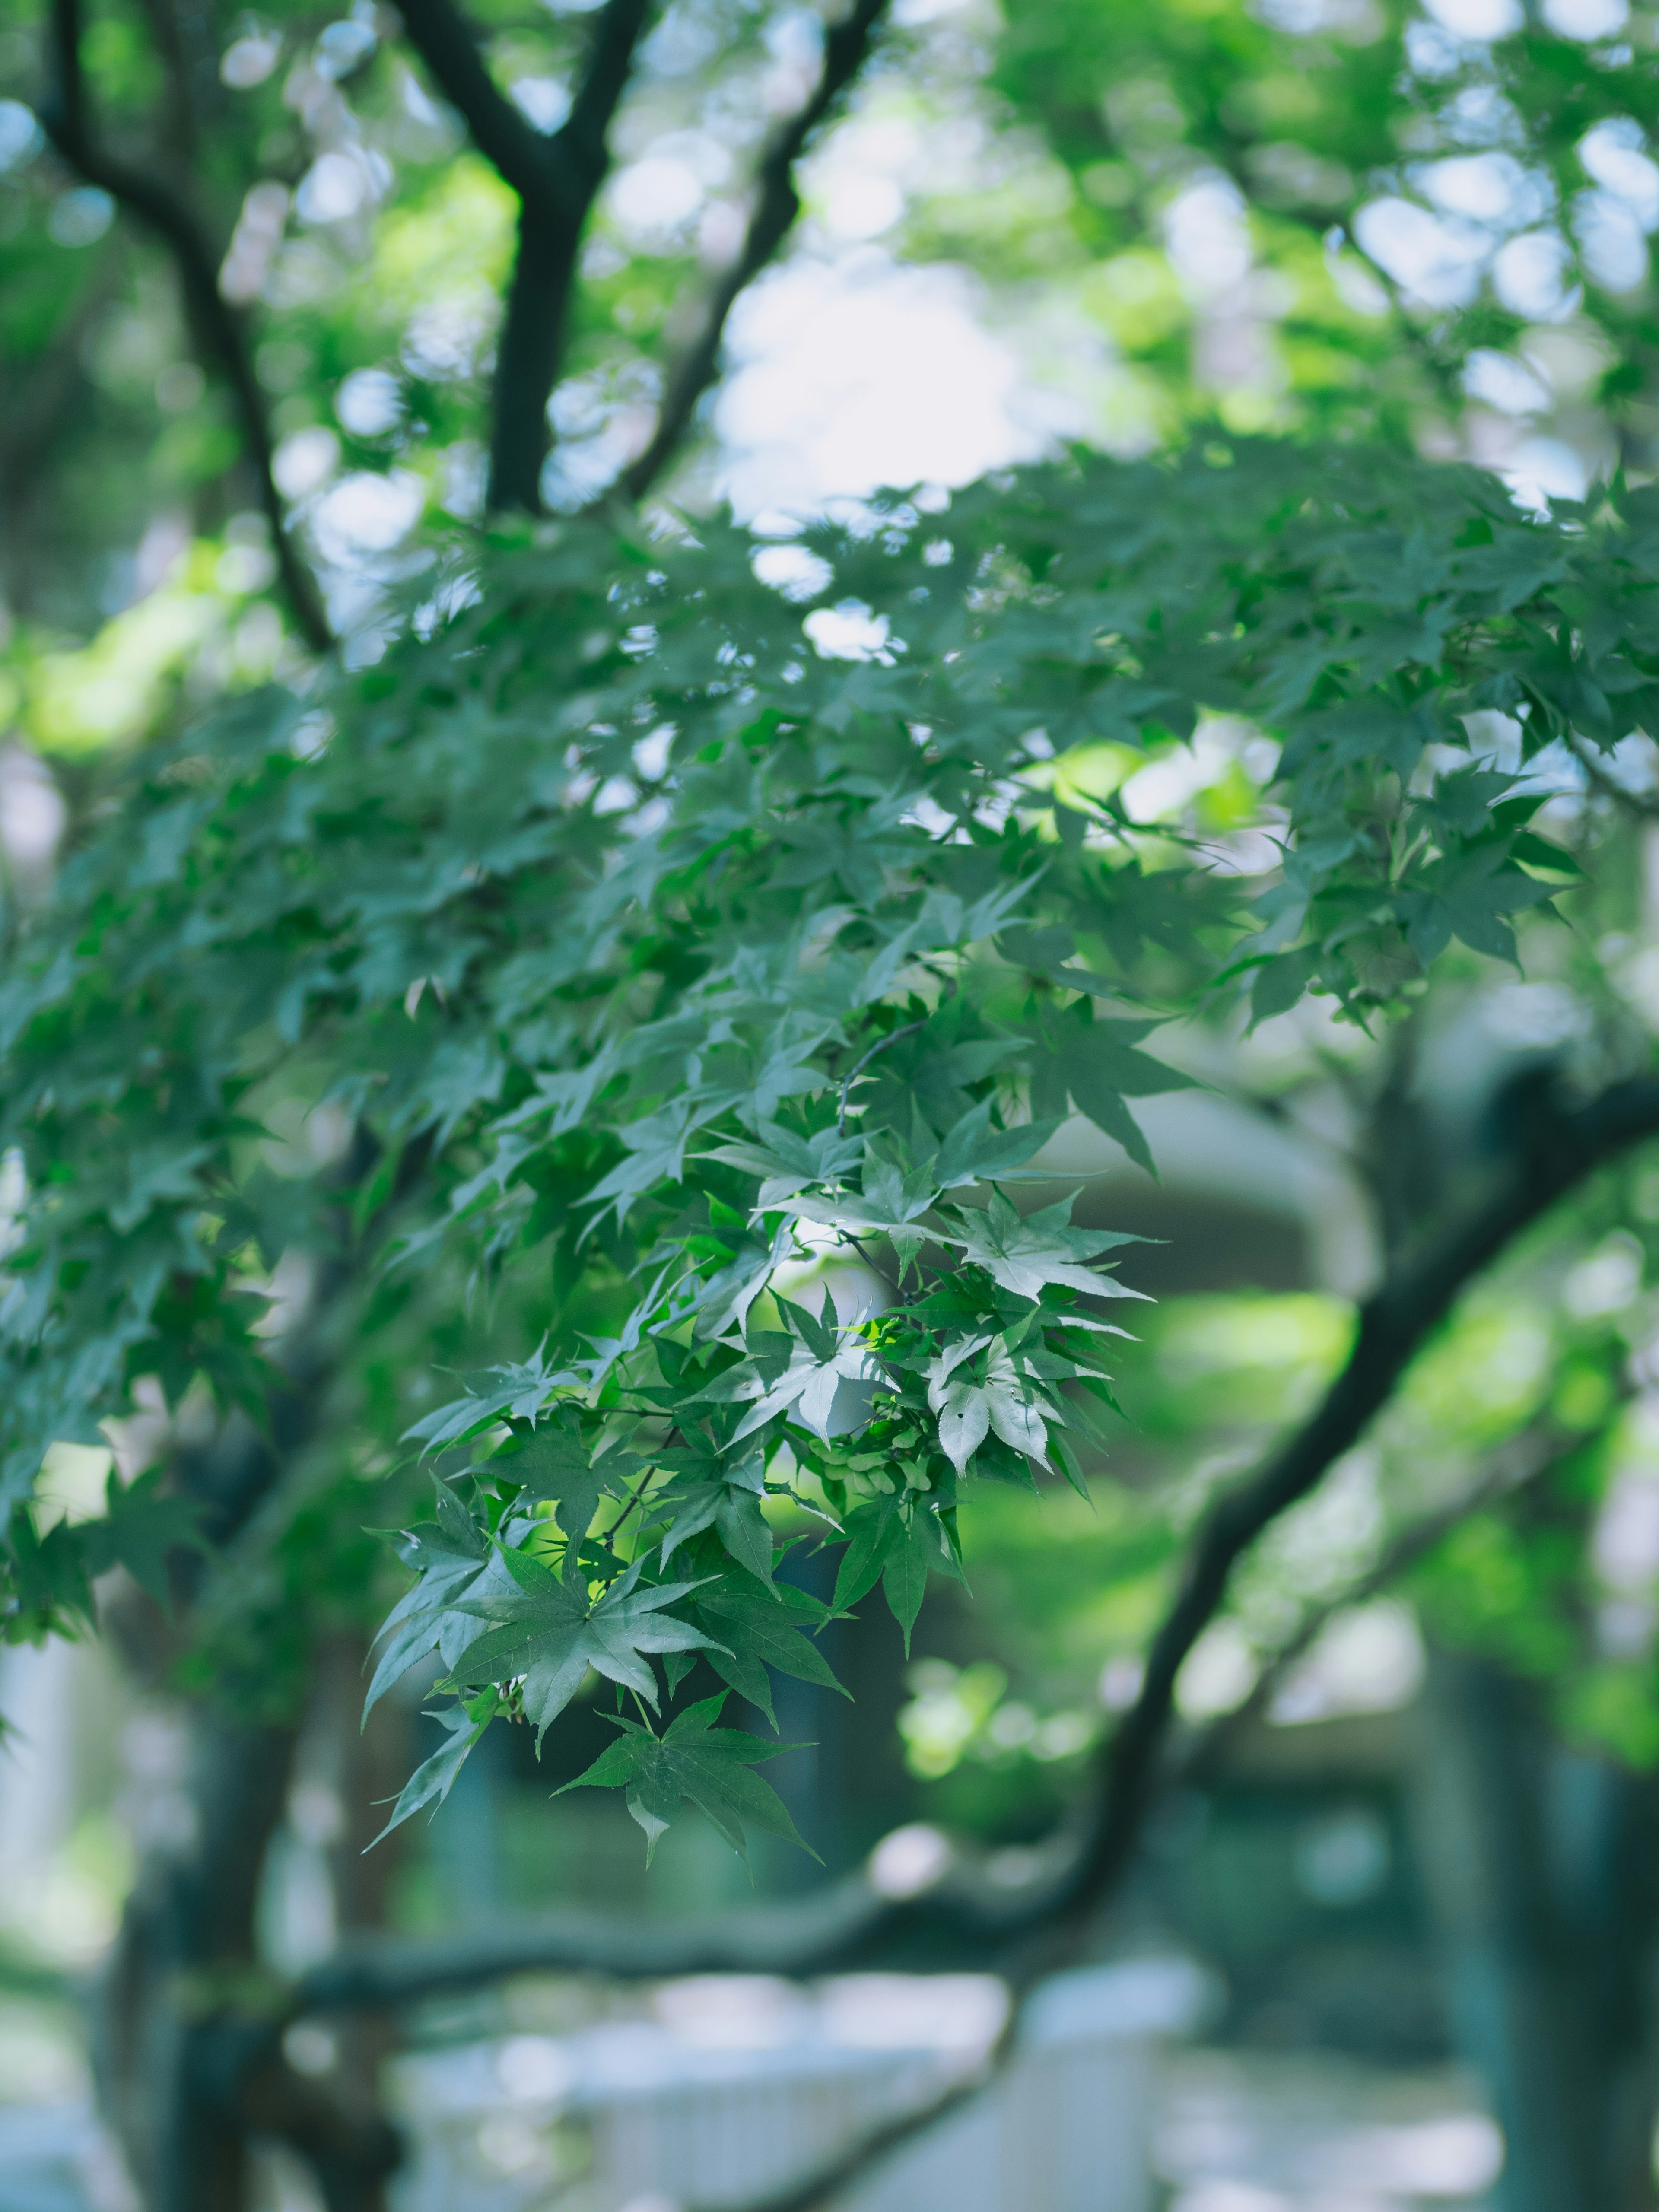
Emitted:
pixel 640 957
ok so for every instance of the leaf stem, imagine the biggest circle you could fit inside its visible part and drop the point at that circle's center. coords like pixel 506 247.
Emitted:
pixel 854 1072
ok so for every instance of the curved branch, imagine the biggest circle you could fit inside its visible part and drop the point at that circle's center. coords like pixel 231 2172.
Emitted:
pixel 1517 1466
pixel 826 2181
pixel 65 120
pixel 523 157
pixel 1554 1147
pixel 777 204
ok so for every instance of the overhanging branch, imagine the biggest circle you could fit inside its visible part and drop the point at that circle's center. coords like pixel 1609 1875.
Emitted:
pixel 777 205
pixel 1553 1147
pixel 66 122
pixel 1516 1466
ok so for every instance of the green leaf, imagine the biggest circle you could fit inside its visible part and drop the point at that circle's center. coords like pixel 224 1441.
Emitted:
pixel 904 1575
pixel 553 1463
pixel 974 1152
pixel 1095 1059
pixel 789 1163
pixel 434 1778
pixel 694 1762
pixel 817 1369
pixel 519 1392
pixel 449 1560
pixel 712 1490
pixel 548 1633
pixel 141 1531
pixel 1028 1255
pixel 763 1632
pixel 872 1532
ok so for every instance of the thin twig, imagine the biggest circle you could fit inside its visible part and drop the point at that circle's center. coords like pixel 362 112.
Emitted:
pixel 1642 804
pixel 777 205
pixel 853 1073
pixel 65 120
pixel 634 1498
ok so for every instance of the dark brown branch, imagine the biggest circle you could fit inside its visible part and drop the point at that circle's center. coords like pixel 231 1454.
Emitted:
pixel 777 205
pixel 65 120
pixel 556 178
pixel 1515 1467
pixel 522 156
pixel 826 2182
pixel 1553 1148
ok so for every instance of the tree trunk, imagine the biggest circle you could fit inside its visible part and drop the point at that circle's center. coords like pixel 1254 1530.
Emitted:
pixel 190 2070
pixel 169 2055
pixel 1538 1868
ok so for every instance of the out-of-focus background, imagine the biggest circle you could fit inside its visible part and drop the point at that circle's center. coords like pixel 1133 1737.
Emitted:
pixel 1056 220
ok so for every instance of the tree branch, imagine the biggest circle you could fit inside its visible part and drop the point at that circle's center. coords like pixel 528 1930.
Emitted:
pixel 1516 1466
pixel 827 2181
pixel 777 204
pixel 532 162
pixel 557 178
pixel 1645 804
pixel 65 120
pixel 1553 1147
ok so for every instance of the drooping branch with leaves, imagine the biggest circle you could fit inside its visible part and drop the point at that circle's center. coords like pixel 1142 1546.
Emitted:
pixel 659 983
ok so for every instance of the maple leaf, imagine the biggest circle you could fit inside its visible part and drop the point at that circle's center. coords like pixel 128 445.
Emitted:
pixel 825 1357
pixel 1027 1252
pixel 763 1632
pixel 141 1530
pixel 724 1300
pixel 893 1201
pixel 973 1151
pixel 449 1559
pixel 554 1464
pixel 1467 896
pixel 789 1163
pixel 548 1632
pixel 1005 1401
pixel 693 1762
pixel 434 1778
pixel 519 1392
pixel 1096 1063
pixel 656 1155
pixel 713 1491
pixel 895 1542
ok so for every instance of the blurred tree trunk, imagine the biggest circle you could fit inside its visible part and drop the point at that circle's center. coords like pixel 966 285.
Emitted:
pixel 191 2070
pixel 169 2054
pixel 1540 1866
